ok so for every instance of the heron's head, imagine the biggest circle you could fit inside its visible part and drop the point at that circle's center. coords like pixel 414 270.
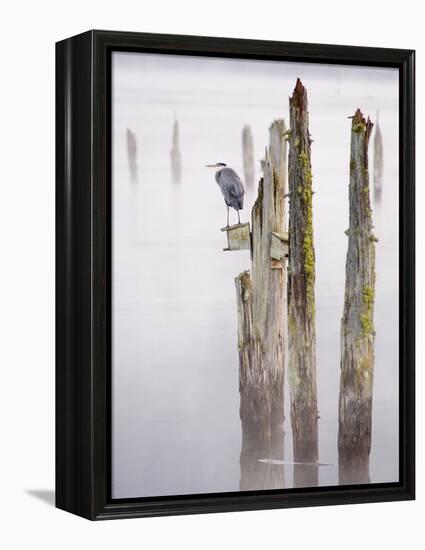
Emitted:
pixel 216 165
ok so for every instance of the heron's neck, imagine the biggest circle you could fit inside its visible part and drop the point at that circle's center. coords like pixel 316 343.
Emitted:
pixel 221 169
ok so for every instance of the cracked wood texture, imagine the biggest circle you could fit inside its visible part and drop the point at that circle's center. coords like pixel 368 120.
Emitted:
pixel 357 325
pixel 301 294
pixel 261 325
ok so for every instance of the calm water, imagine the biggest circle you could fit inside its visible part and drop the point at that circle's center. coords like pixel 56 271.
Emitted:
pixel 176 426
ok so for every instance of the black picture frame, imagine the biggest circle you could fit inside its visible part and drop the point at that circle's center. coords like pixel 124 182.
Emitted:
pixel 83 240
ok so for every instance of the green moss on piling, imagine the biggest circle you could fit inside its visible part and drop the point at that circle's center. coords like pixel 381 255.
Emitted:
pixel 308 242
pixel 360 127
pixel 366 317
pixel 303 159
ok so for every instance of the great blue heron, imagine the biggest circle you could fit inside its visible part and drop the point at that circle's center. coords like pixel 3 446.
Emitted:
pixel 231 186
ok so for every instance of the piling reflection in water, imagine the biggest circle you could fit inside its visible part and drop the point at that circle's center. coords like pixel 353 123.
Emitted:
pixel 306 475
pixel 261 459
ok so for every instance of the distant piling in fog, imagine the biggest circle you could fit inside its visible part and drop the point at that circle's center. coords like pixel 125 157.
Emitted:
pixel 301 294
pixel 357 325
pixel 132 154
pixel 176 162
pixel 278 149
pixel 378 161
pixel 248 157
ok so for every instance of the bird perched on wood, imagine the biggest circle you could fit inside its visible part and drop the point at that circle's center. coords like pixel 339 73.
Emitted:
pixel 231 186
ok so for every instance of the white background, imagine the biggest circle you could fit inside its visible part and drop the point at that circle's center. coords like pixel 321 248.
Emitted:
pixel 28 33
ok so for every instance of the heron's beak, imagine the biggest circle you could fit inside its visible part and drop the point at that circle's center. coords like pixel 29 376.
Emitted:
pixel 210 166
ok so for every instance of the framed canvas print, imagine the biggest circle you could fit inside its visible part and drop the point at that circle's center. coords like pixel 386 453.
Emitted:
pixel 235 274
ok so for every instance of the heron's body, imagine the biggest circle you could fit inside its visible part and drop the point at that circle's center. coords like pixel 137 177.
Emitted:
pixel 231 187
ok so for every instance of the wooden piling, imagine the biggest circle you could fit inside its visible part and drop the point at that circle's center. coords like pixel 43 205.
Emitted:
pixel 378 161
pixel 132 154
pixel 176 161
pixel 260 298
pixel 357 326
pixel 301 291
pixel 248 157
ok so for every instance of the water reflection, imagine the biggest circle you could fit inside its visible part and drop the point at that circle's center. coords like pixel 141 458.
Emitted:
pixel 353 469
pixel 261 461
pixel 305 445
pixel 306 475
pixel 355 428
pixel 262 422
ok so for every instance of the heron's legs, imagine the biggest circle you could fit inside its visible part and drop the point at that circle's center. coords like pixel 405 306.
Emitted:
pixel 227 215
pixel 239 219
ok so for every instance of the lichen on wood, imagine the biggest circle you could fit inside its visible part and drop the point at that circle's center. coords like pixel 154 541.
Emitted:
pixel 301 286
pixel 357 325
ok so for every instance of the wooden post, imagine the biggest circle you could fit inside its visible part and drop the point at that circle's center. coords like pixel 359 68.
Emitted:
pixel 378 161
pixel 357 326
pixel 301 293
pixel 132 154
pixel 248 157
pixel 238 237
pixel 261 327
pixel 176 161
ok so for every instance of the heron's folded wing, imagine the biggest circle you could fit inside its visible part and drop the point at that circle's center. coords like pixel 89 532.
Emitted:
pixel 232 188
pixel 232 182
